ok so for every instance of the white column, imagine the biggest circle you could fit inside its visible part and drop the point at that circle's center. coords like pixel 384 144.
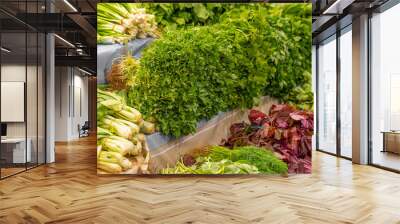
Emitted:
pixel 360 90
pixel 314 89
pixel 50 99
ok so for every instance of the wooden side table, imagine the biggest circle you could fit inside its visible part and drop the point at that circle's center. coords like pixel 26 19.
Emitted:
pixel 391 141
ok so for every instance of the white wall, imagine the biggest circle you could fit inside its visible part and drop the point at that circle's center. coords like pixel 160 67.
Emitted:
pixel 71 94
pixel 80 110
pixel 62 81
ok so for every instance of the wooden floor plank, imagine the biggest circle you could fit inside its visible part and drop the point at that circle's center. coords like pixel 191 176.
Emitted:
pixel 69 191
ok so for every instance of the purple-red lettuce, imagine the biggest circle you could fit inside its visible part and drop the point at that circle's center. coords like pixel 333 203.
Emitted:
pixel 285 129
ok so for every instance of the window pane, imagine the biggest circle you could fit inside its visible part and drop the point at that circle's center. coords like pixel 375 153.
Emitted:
pixel 346 94
pixel 385 88
pixel 15 151
pixel 41 99
pixel 31 99
pixel 327 96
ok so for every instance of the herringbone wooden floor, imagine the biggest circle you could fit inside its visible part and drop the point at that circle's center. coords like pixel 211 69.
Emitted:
pixel 70 192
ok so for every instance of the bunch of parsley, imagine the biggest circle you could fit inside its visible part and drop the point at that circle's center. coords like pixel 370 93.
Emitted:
pixel 192 74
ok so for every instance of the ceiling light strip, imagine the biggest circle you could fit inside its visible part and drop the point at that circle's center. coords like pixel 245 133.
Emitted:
pixel 84 71
pixel 70 5
pixel 337 7
pixel 64 40
pixel 5 49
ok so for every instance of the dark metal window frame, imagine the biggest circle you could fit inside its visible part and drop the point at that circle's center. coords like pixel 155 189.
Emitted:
pixel 29 29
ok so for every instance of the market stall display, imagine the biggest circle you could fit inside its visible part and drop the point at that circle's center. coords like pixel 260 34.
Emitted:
pixel 121 144
pixel 194 84
pixel 122 22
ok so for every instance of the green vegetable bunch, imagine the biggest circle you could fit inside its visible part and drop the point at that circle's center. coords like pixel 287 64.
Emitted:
pixel 296 74
pixel 240 160
pixel 263 159
pixel 122 72
pixel 208 167
pixel 120 132
pixel 291 80
pixel 194 73
pixel 176 15
pixel 121 22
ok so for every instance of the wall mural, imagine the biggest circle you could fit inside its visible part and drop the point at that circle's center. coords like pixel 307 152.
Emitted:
pixel 204 88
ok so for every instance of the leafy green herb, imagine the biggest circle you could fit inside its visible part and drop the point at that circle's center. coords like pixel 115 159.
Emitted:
pixel 177 15
pixel 192 74
pixel 290 80
pixel 208 167
pixel 241 160
pixel 263 159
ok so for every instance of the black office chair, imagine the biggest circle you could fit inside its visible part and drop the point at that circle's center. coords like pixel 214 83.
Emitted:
pixel 84 130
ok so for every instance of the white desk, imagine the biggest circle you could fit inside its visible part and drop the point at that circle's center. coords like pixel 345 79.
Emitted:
pixel 19 149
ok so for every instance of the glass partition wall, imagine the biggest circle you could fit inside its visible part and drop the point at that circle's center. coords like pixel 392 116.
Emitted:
pixel 22 77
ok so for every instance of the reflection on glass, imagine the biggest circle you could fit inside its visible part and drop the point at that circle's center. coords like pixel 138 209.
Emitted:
pixel 327 96
pixel 386 89
pixel 346 94
pixel 31 97
pixel 41 99
pixel 23 82
pixel 13 84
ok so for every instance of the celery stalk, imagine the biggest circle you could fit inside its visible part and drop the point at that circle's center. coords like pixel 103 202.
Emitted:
pixel 126 164
pixel 98 150
pixel 117 128
pixel 102 133
pixel 118 144
pixel 109 167
pixel 112 104
pixel 110 157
